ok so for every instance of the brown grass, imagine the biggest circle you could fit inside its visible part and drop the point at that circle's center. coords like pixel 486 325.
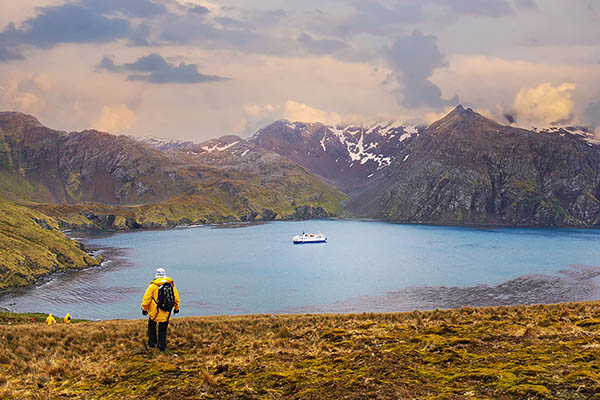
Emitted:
pixel 530 352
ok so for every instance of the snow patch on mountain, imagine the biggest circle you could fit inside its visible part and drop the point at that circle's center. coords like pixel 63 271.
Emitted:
pixel 162 143
pixel 583 132
pixel 355 139
pixel 219 147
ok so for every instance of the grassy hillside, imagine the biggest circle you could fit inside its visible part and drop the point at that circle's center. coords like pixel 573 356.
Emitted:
pixel 93 179
pixel 534 352
pixel 214 202
pixel 31 245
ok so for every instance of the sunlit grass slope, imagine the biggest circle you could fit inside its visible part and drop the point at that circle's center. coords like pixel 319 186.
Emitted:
pixel 217 202
pixel 535 352
pixel 31 245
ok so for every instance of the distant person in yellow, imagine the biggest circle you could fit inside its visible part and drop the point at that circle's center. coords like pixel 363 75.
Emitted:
pixel 160 299
pixel 68 318
pixel 50 320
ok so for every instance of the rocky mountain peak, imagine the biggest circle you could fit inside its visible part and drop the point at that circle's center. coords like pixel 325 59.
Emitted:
pixel 13 119
pixel 466 124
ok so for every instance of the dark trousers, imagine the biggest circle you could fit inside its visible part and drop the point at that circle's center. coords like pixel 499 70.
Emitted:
pixel 162 334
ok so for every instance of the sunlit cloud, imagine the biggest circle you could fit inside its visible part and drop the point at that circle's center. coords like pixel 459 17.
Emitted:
pixel 544 104
pixel 315 59
pixel 115 119
pixel 295 111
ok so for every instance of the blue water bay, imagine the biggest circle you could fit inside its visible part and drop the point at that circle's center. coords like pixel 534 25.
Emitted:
pixel 364 266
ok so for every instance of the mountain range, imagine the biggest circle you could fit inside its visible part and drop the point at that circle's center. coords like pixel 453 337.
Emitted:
pixel 95 179
pixel 462 169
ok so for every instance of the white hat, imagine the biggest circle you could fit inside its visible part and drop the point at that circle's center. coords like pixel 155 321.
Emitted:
pixel 160 273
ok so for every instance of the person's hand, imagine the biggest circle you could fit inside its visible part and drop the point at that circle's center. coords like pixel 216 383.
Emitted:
pixel 144 312
pixel 176 311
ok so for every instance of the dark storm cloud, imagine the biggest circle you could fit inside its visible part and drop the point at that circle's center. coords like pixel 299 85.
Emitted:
pixel 154 68
pixel 87 21
pixel 198 10
pixel 320 46
pixel 413 59
pixel 99 21
pixel 70 23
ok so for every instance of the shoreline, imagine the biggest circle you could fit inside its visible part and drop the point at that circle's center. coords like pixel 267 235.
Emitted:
pixel 42 280
pixel 235 224
pixel 572 284
pixel 423 294
pixel 349 314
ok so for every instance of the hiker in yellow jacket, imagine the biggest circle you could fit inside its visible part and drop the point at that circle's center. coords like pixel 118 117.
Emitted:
pixel 157 315
pixel 50 320
pixel 68 318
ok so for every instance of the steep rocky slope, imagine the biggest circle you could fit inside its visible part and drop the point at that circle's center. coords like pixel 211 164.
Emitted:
pixel 463 169
pixel 349 155
pixel 468 169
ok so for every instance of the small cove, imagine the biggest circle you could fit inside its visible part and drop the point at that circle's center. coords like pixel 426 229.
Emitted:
pixel 364 267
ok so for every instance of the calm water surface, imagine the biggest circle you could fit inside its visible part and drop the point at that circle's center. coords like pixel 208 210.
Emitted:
pixel 365 266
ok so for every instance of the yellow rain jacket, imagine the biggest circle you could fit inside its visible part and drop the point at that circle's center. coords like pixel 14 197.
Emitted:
pixel 50 320
pixel 151 297
pixel 68 318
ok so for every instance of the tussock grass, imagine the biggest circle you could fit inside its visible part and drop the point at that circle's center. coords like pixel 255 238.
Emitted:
pixel 533 352
pixel 31 246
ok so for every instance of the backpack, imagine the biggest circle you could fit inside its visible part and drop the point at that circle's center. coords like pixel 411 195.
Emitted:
pixel 166 297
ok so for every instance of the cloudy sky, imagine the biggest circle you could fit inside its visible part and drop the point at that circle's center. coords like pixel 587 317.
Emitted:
pixel 194 69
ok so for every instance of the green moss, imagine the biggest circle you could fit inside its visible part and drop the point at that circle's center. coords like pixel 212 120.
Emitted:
pixel 482 354
pixel 529 184
pixel 531 390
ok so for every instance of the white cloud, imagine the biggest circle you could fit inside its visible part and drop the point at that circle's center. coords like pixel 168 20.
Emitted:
pixel 491 83
pixel 261 110
pixel 115 119
pixel 295 111
pixel 544 104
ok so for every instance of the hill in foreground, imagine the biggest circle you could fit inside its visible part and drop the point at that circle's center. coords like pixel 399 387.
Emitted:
pixel 31 245
pixel 533 352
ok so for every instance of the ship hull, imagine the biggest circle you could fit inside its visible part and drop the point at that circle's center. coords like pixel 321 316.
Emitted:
pixel 309 241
